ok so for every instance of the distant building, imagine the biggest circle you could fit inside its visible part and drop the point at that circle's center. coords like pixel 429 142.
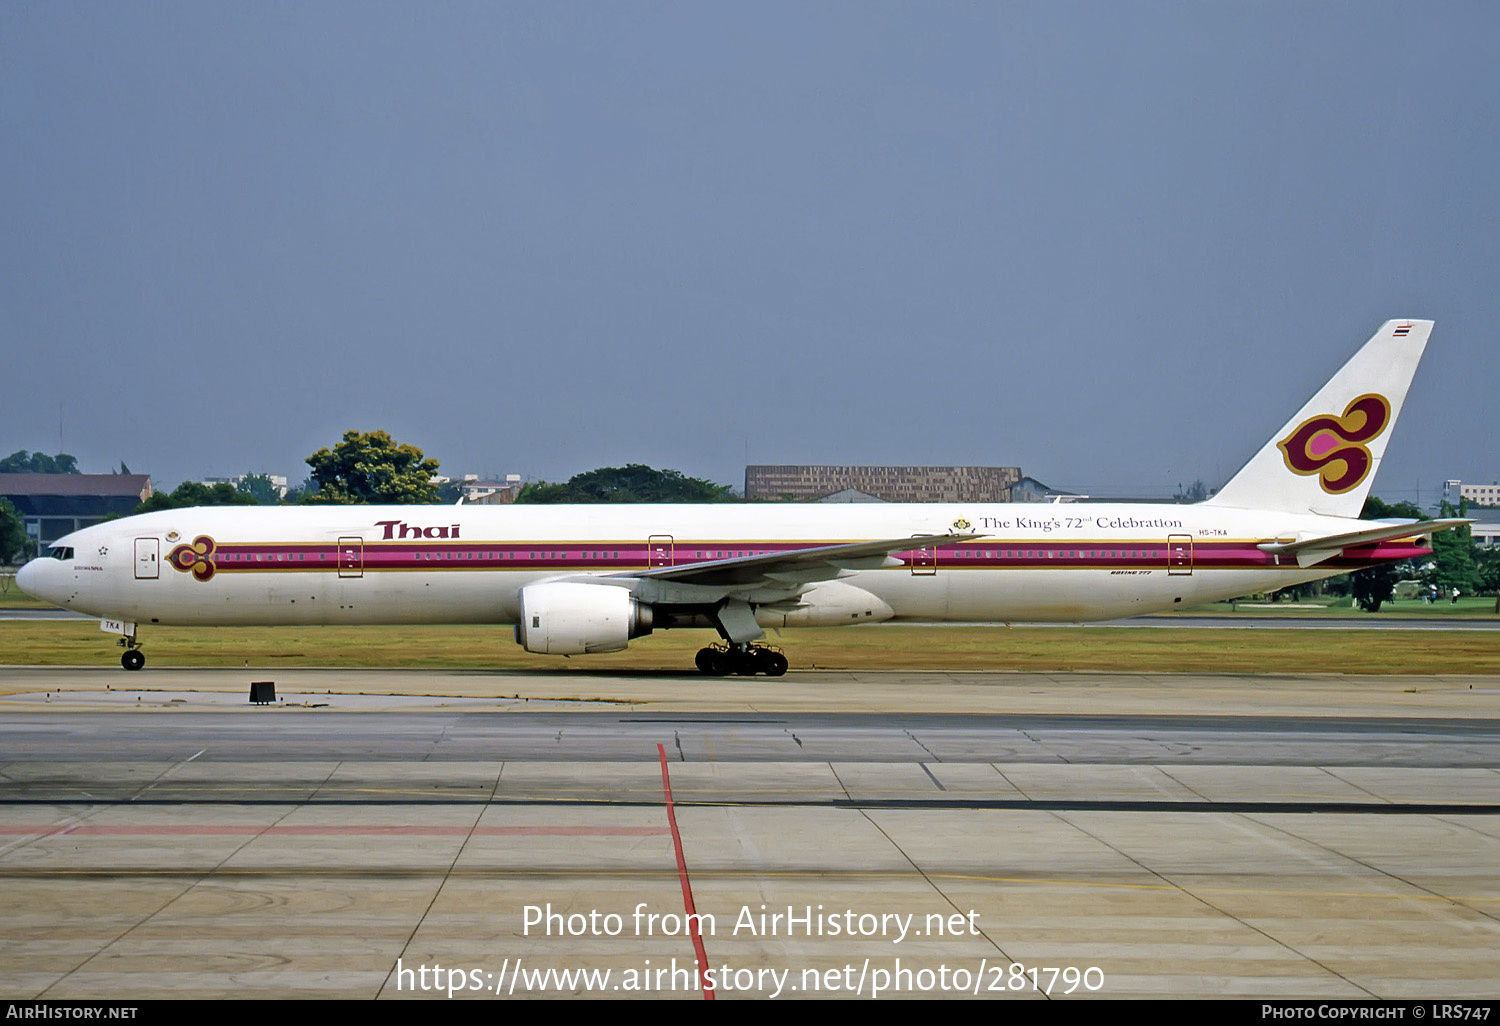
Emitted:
pixel 490 493
pixel 887 484
pixel 52 505
pixel 1486 536
pixel 1479 495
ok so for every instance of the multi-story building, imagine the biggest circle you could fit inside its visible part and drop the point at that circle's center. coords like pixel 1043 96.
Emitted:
pixel 1476 494
pixel 892 484
pixel 1481 495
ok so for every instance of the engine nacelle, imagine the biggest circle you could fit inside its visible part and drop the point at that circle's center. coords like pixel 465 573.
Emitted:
pixel 568 618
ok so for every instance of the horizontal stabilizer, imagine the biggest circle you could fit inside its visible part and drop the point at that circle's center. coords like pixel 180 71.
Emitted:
pixel 1310 551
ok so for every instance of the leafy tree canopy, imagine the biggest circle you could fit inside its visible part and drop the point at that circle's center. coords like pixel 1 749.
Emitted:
pixel 1453 564
pixel 371 467
pixel 23 462
pixel 1195 492
pixel 259 488
pixel 192 493
pixel 300 493
pixel 1374 509
pixel 14 544
pixel 1487 569
pixel 634 482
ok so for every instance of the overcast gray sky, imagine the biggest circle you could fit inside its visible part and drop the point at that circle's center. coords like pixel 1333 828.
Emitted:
pixel 1116 244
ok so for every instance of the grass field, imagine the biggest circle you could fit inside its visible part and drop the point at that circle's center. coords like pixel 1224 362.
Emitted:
pixel 1465 607
pixel 1133 649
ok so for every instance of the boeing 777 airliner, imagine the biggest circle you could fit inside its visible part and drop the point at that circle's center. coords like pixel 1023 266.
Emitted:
pixel 577 579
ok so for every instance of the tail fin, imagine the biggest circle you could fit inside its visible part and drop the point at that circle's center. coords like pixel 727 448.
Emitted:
pixel 1324 459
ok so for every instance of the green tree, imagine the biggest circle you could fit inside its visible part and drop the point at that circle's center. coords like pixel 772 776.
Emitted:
pixel 301 493
pixel 14 543
pixel 1374 586
pixel 1487 568
pixel 634 482
pixel 371 467
pixel 1195 492
pixel 192 493
pixel 1453 555
pixel 259 488
pixel 23 462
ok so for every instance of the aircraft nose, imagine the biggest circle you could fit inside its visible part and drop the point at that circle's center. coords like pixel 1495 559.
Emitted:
pixel 40 579
pixel 26 578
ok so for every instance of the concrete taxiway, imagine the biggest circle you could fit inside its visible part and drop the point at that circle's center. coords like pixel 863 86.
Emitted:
pixel 928 834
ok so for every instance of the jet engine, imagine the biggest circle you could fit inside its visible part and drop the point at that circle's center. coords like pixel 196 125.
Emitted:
pixel 568 618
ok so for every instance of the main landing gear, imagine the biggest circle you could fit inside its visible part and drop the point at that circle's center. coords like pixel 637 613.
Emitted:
pixel 132 658
pixel 744 660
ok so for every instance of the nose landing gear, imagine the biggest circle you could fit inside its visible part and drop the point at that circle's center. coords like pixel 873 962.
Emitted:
pixel 132 658
pixel 744 660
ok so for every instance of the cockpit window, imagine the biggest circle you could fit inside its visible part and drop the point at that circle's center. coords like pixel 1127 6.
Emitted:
pixel 61 552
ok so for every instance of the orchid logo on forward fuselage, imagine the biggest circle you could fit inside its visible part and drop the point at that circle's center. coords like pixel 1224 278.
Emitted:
pixel 1335 448
pixel 197 558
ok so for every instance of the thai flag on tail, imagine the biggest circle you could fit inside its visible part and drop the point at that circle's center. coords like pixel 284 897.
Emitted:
pixel 1402 330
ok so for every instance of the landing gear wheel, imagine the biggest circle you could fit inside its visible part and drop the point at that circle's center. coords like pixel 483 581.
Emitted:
pixel 744 661
pixel 715 662
pixel 133 659
pixel 753 660
pixel 707 661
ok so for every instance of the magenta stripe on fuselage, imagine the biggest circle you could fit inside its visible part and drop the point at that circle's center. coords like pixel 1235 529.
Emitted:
pixel 442 555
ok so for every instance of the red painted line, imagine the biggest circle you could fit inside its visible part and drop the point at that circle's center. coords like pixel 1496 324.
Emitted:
pixel 246 830
pixel 682 873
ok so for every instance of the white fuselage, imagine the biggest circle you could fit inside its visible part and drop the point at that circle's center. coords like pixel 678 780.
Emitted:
pixel 467 564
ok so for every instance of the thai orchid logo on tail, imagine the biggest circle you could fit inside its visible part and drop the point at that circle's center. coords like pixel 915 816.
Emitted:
pixel 1334 447
pixel 197 558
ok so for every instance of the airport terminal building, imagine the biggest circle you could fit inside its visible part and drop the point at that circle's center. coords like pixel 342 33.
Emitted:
pixel 885 484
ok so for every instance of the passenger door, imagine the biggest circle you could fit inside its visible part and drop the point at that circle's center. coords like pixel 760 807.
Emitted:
pixel 659 550
pixel 924 562
pixel 147 559
pixel 1180 555
pixel 351 556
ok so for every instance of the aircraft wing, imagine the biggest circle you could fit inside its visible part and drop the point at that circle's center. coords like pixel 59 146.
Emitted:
pixel 822 563
pixel 1310 551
